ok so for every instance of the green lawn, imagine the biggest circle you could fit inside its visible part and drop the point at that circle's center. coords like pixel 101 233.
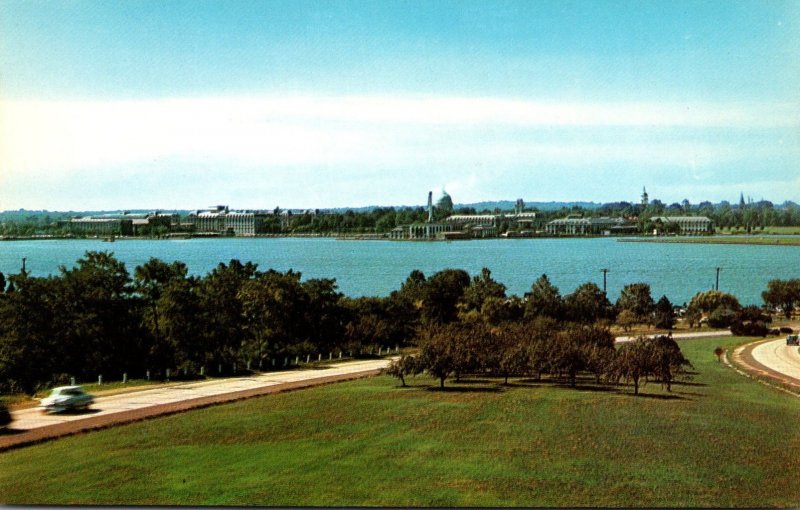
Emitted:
pixel 722 440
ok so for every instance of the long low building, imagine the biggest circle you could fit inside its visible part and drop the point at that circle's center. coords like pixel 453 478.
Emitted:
pixel 221 220
pixel 575 226
pixel 688 225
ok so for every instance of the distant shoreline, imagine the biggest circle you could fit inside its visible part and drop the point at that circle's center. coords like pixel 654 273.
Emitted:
pixel 755 241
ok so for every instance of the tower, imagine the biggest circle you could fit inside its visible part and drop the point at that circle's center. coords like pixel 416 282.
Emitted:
pixel 430 206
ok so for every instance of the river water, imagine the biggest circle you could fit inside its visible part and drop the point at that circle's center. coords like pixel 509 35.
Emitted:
pixel 375 268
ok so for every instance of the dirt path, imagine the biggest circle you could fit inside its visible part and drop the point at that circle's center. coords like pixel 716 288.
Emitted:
pixel 32 426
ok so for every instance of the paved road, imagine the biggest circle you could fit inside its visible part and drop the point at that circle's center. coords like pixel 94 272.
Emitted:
pixel 31 425
pixel 677 336
pixel 778 356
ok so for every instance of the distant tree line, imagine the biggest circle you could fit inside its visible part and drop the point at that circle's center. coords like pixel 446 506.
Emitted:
pixel 97 318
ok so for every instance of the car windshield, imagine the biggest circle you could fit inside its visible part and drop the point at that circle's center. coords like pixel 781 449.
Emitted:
pixel 66 391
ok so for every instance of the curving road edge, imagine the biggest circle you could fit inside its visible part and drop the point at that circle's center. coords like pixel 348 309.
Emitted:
pixel 770 361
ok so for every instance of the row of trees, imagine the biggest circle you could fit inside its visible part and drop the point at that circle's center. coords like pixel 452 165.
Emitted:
pixel 97 318
pixel 543 347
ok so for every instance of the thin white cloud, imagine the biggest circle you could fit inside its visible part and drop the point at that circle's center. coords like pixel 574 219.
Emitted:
pixel 41 138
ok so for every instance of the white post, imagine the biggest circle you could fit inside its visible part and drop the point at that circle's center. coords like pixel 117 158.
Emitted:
pixel 167 374
pixel 273 362
pixel 297 360
pixel 319 357
pixel 72 381
pixel 340 354
pixel 248 365
pixel 202 371
pixel 125 378
pixel 396 349
pixel 148 375
pixel 308 358
pixel 219 368
pixel 234 368
pixel 330 356
pixel 99 379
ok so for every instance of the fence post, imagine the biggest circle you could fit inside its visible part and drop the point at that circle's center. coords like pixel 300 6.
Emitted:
pixel 297 360
pixel 248 365
pixel 308 358
pixel 72 381
pixel 319 357
pixel 340 354
pixel 330 356
pixel 202 371
pixel 124 377
pixel 99 379
pixel 148 375
pixel 167 374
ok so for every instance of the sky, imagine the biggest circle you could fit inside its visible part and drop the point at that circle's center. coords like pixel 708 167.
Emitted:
pixel 149 104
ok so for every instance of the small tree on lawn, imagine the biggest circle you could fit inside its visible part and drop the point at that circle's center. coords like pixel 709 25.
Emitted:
pixel 626 320
pixel 718 352
pixel 436 356
pixel 633 362
pixel 667 359
pixel 403 366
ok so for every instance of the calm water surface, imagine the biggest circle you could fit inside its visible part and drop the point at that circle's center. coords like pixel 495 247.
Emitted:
pixel 377 267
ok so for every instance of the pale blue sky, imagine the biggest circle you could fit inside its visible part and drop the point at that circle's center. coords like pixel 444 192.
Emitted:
pixel 151 104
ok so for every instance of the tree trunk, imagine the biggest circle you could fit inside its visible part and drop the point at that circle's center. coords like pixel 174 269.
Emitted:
pixel 441 382
pixel 635 385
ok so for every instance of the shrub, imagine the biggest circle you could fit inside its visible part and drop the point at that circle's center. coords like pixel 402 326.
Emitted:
pixel 721 317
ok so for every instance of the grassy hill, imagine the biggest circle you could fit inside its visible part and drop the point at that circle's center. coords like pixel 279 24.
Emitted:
pixel 720 440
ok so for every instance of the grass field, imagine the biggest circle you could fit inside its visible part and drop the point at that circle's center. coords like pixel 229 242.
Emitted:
pixel 722 440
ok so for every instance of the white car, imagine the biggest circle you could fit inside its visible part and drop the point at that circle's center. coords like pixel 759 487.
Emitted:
pixel 66 398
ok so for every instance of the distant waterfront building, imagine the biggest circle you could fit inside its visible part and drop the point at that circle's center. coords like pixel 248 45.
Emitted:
pixel 688 225
pixel 467 226
pixel 100 226
pixel 122 224
pixel 575 226
pixel 221 220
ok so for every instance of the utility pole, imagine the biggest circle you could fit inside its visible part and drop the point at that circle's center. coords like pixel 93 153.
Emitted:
pixel 716 287
pixel 604 279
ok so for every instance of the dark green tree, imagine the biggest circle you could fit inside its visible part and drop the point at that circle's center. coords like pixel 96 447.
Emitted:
pixel 636 298
pixel 544 300
pixel 664 314
pixel 588 304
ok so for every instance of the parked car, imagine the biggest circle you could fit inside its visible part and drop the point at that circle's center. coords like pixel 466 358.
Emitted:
pixel 5 417
pixel 66 398
pixel 792 340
